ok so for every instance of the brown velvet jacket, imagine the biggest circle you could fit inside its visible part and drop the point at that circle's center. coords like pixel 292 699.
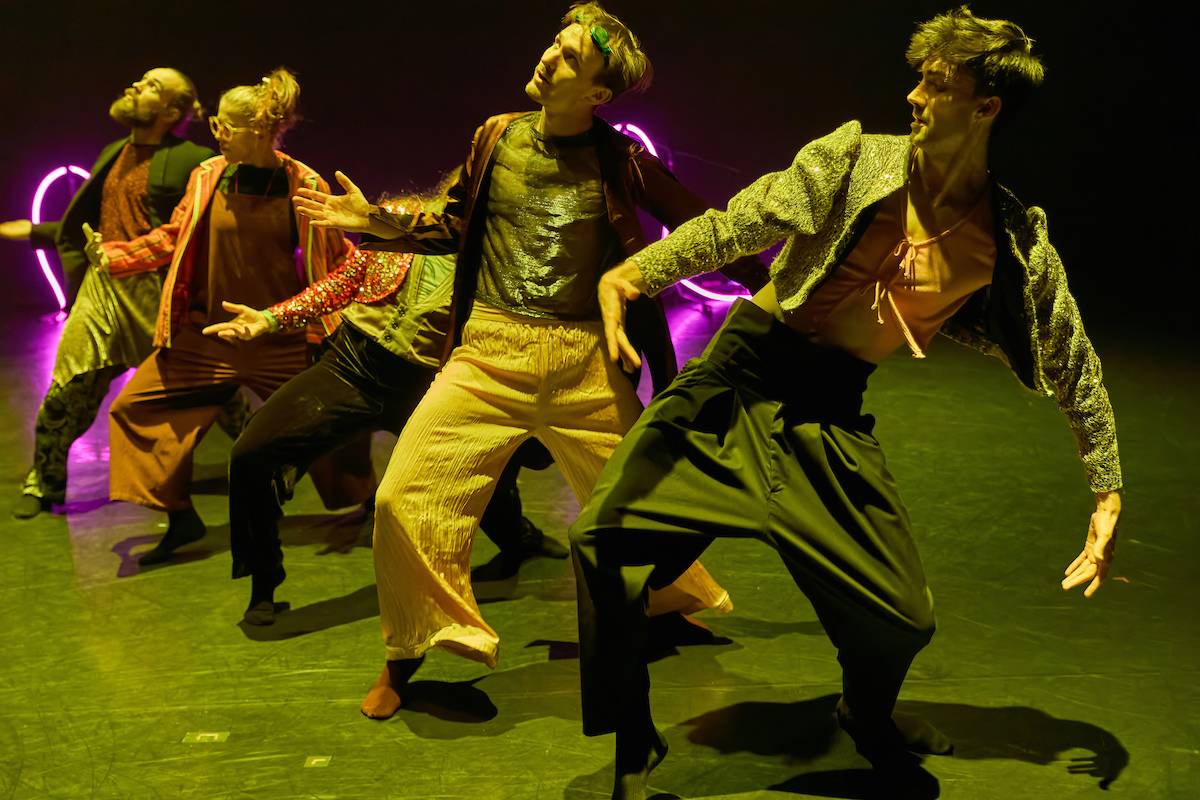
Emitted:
pixel 632 179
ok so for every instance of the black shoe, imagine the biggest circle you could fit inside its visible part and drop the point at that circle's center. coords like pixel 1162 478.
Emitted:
pixel 919 736
pixel 263 612
pixel 535 543
pixel 184 527
pixel 637 756
pixel 29 506
pixel 531 544
pixel 501 567
pixel 263 608
pixel 898 774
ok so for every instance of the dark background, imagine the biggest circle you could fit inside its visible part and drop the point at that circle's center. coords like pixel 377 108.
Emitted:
pixel 392 91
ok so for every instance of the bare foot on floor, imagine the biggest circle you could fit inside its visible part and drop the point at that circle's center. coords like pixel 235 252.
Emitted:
pixel 384 698
pixel 382 701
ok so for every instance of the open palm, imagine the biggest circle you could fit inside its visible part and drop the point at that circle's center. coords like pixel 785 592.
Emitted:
pixel 249 324
pixel 347 212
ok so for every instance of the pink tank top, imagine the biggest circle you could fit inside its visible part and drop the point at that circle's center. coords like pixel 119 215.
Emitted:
pixel 892 291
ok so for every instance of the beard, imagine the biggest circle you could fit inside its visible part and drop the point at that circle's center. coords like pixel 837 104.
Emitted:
pixel 125 110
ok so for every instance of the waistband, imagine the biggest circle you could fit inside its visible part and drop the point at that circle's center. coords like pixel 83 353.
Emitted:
pixel 486 313
pixel 758 353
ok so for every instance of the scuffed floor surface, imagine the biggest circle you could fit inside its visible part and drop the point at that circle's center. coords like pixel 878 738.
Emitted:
pixel 120 683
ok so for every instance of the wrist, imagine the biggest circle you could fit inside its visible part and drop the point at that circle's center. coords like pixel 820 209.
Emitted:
pixel 1108 501
pixel 630 270
pixel 271 320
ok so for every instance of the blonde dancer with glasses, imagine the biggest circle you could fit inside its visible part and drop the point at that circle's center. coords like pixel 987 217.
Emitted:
pixel 134 185
pixel 234 235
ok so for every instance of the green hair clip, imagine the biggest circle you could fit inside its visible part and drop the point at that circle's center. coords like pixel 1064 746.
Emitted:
pixel 599 36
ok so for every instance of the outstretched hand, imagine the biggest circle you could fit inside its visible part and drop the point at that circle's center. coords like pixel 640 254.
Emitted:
pixel 16 230
pixel 617 287
pixel 1098 549
pixel 347 212
pixel 249 324
pixel 93 248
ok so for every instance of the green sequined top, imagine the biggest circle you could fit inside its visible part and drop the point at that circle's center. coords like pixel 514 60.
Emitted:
pixel 548 238
pixel 1028 318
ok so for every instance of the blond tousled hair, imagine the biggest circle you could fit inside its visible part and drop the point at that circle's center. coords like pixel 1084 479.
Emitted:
pixel 627 68
pixel 996 52
pixel 270 104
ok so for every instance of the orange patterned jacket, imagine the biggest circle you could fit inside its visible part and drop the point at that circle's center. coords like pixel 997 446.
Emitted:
pixel 323 250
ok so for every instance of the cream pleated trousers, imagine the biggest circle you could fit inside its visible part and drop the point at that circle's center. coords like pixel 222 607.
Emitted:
pixel 512 377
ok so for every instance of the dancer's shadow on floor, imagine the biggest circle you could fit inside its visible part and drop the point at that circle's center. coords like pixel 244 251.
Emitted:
pixel 324 614
pixel 339 533
pixel 131 549
pixel 1024 734
pixel 455 702
pixel 752 746
pixel 546 688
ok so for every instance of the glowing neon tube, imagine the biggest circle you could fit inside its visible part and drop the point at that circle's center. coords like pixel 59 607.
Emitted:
pixel 35 215
pixel 634 130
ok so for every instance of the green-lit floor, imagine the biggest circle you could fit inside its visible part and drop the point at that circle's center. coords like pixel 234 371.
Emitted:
pixel 105 671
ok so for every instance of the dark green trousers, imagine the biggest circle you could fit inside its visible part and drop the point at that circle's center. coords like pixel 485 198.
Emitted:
pixel 761 437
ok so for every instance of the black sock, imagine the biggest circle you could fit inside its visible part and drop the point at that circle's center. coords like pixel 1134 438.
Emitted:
pixel 401 670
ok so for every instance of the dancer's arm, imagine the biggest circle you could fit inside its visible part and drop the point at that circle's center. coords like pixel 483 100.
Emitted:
pixel 329 295
pixel 792 202
pixel 672 204
pixel 17 230
pixel 152 250
pixel 1073 373
pixel 393 229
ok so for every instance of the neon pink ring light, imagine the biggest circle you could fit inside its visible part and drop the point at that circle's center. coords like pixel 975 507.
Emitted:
pixel 35 216
pixel 634 130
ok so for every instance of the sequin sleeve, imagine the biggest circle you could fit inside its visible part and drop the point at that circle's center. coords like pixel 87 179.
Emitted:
pixel 424 232
pixel 661 194
pixel 332 293
pixel 792 202
pixel 1069 364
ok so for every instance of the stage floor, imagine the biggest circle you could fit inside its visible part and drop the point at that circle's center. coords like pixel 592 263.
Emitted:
pixel 117 682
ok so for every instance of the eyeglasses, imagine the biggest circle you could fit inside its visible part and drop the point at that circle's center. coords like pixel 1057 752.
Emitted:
pixel 220 127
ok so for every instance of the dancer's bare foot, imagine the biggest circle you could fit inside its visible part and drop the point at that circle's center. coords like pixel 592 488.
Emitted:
pixel 635 762
pixel 384 699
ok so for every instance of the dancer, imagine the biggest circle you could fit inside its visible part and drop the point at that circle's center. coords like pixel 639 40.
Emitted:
pixel 888 239
pixel 233 235
pixel 379 363
pixel 545 204
pixel 134 186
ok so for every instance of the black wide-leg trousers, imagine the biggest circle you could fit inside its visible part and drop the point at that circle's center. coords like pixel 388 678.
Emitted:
pixel 356 386
pixel 761 437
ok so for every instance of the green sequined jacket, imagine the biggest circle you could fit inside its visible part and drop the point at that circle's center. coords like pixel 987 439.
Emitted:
pixel 823 202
